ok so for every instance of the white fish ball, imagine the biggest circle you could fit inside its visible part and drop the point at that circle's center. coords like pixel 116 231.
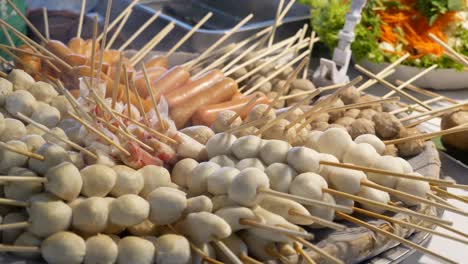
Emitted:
pixel 46 115
pixel 274 151
pixel 182 171
pixel 6 87
pixel 197 182
pixel 42 91
pixel 361 154
pixel 308 185
pixel 77 159
pixel 326 213
pixel 154 177
pixel 374 195
pixel 166 205
pixel 49 217
pixel 100 249
pixel 62 104
pixel 33 142
pixel 326 170
pixel 135 250
pixel 244 187
pixel 284 207
pixel 218 182
pixel 214 227
pixel 14 129
pixel 57 131
pixel 303 159
pixel 10 159
pixel 20 101
pixel 372 140
pixel 220 144
pixel 172 249
pixel 224 160
pixel 53 155
pixel 28 239
pixel 98 180
pixel 247 147
pixel 129 181
pixel 128 210
pixel 33 130
pixel 64 181
pixel 10 235
pixel 63 247
pixel 223 121
pixel 233 216
pixel 334 141
pixel 346 180
pixel 20 79
pixel 250 163
pixel 281 176
pixel 91 215
pixel 21 191
pixel 200 203
pixel 388 163
pixel 312 139
pixel 414 187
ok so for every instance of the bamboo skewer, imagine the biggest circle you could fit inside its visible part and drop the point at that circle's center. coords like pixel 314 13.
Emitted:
pixel 93 49
pixel 318 250
pixel 10 178
pixel 273 252
pixel 28 154
pixel 39 55
pixel 46 22
pixel 414 88
pixel 104 39
pixel 18 225
pixel 26 20
pixel 189 34
pixel 116 83
pixel 127 91
pixel 118 18
pixel 383 73
pixel 219 41
pixel 244 108
pixel 394 237
pixel 311 47
pixel 325 88
pixel 449 195
pixel 384 172
pixel 303 254
pixel 415 106
pixel 420 121
pixel 276 229
pixel 7 36
pixel 47 131
pixel 412 79
pixel 139 31
pixel 451 229
pixel 443 109
pixel 80 20
pixel 392 87
pixel 119 29
pixel 388 207
pixel 227 252
pixel 275 24
pixel 317 220
pixel 99 133
pixel 162 123
pixel 449 50
pixel 428 136
pixel 140 103
pixel 439 199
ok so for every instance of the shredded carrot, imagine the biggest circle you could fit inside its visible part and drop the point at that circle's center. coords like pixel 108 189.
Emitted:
pixel 416 29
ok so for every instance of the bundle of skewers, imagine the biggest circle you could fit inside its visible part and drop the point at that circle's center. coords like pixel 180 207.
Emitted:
pixel 107 158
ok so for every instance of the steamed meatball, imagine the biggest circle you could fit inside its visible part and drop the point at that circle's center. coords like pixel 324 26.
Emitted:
pixel 387 126
pixel 42 91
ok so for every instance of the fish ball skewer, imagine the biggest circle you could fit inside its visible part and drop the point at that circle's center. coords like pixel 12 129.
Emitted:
pixel 308 185
pixel 128 210
pixel 129 181
pixel 53 155
pixel 247 147
pixel 389 163
pixel 166 205
pixel 154 177
pixel 43 91
pixel 362 154
pixel 10 159
pixel 132 249
pixel 20 101
pixel 13 129
pixel 283 207
pixel 373 140
pixel 274 151
pixel 214 227
pixel 21 191
pixel 33 142
pixel 281 176
pixel 197 182
pixel 218 182
pixel 224 121
pixel 334 141
pixel 100 249
pixel 220 144
pixel 303 159
pixel 98 180
pixel 224 161
pixel 91 215
pixel 172 249
pixel 182 171
pixel 46 115
pixel 63 247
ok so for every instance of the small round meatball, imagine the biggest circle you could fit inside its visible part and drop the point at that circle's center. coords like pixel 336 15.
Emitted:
pixel 154 176
pixel 129 181
pixel 197 182
pixel 28 239
pixel 412 147
pixel 62 104
pixel 361 126
pixel 10 159
pixel 278 131
pixel 21 191
pixel 350 95
pixel 53 155
pixel 59 133
pixel 20 101
pixel 63 247
pixel 42 91
pixel 46 115
pixel 100 249
pixel 373 140
pixel 259 111
pixel 200 133
pixel 14 129
pixel 224 161
pixel 128 210
pixel 367 113
pixel 308 185
pixel 166 205
pixel 297 98
pixel 20 79
pixel 98 180
pixel 220 144
pixel 47 217
pixel 182 171
pixel 33 142
pixel 354 113
pixel 374 195
pixel 303 159
pixel 345 121
pixel 387 126
pixel 361 154
pixel 6 87
pixel 335 115
pixel 91 215
pixel 223 121
pixel 388 163
pixel 319 126
pixel 302 84
pixel 274 151
pixel 281 176
pixel 245 185
pixel 247 147
pixel 172 249
pixel 135 250
pixel 334 141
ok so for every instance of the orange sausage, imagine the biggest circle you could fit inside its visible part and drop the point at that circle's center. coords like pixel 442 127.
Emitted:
pixel 171 79
pixel 220 92
pixel 58 48
pixel 153 74
pixel 76 59
pixel 194 87
pixel 157 60
pixel 82 47
pixel 207 114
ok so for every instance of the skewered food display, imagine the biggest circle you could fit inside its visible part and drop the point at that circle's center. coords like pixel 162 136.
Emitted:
pixel 115 160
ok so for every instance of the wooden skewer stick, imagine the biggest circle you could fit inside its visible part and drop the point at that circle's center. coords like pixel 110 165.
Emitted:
pixel 7 36
pixel 8 178
pixel 219 41
pixel 104 39
pixel 118 18
pixel 93 49
pixel 383 73
pixel 325 88
pixel 455 186
pixel 162 123
pixel 151 44
pixel 227 252
pixel 414 88
pixel 449 194
pixel 383 172
pixel 305 201
pixel 139 31
pixel 449 50
pixel 451 229
pixel 273 252
pixel 386 206
pixel 275 24
pixel 393 236
pixel 189 34
pixel 275 229
pixel 118 30
pixel 391 86
pixel 244 108
pixel 39 55
pixel 416 106
pixel 46 22
pixel 320 251
pixel 276 73
pixel 439 199
pixel 247 125
pixel 301 38
pixel 412 79
pixel 25 64
pixel 442 109
pixel 428 135
pixel 99 133
pixel 397 193
pixel 310 49
pixel 140 103
pixel 127 91
pixel 19 225
pixel 26 20
pixel 48 132
pixel 80 21
pixel 22 249
pixel 422 120
pixel 149 129
pixel 12 202
pixel 318 220
pixel 21 152
pixel 115 89
pixel 303 254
